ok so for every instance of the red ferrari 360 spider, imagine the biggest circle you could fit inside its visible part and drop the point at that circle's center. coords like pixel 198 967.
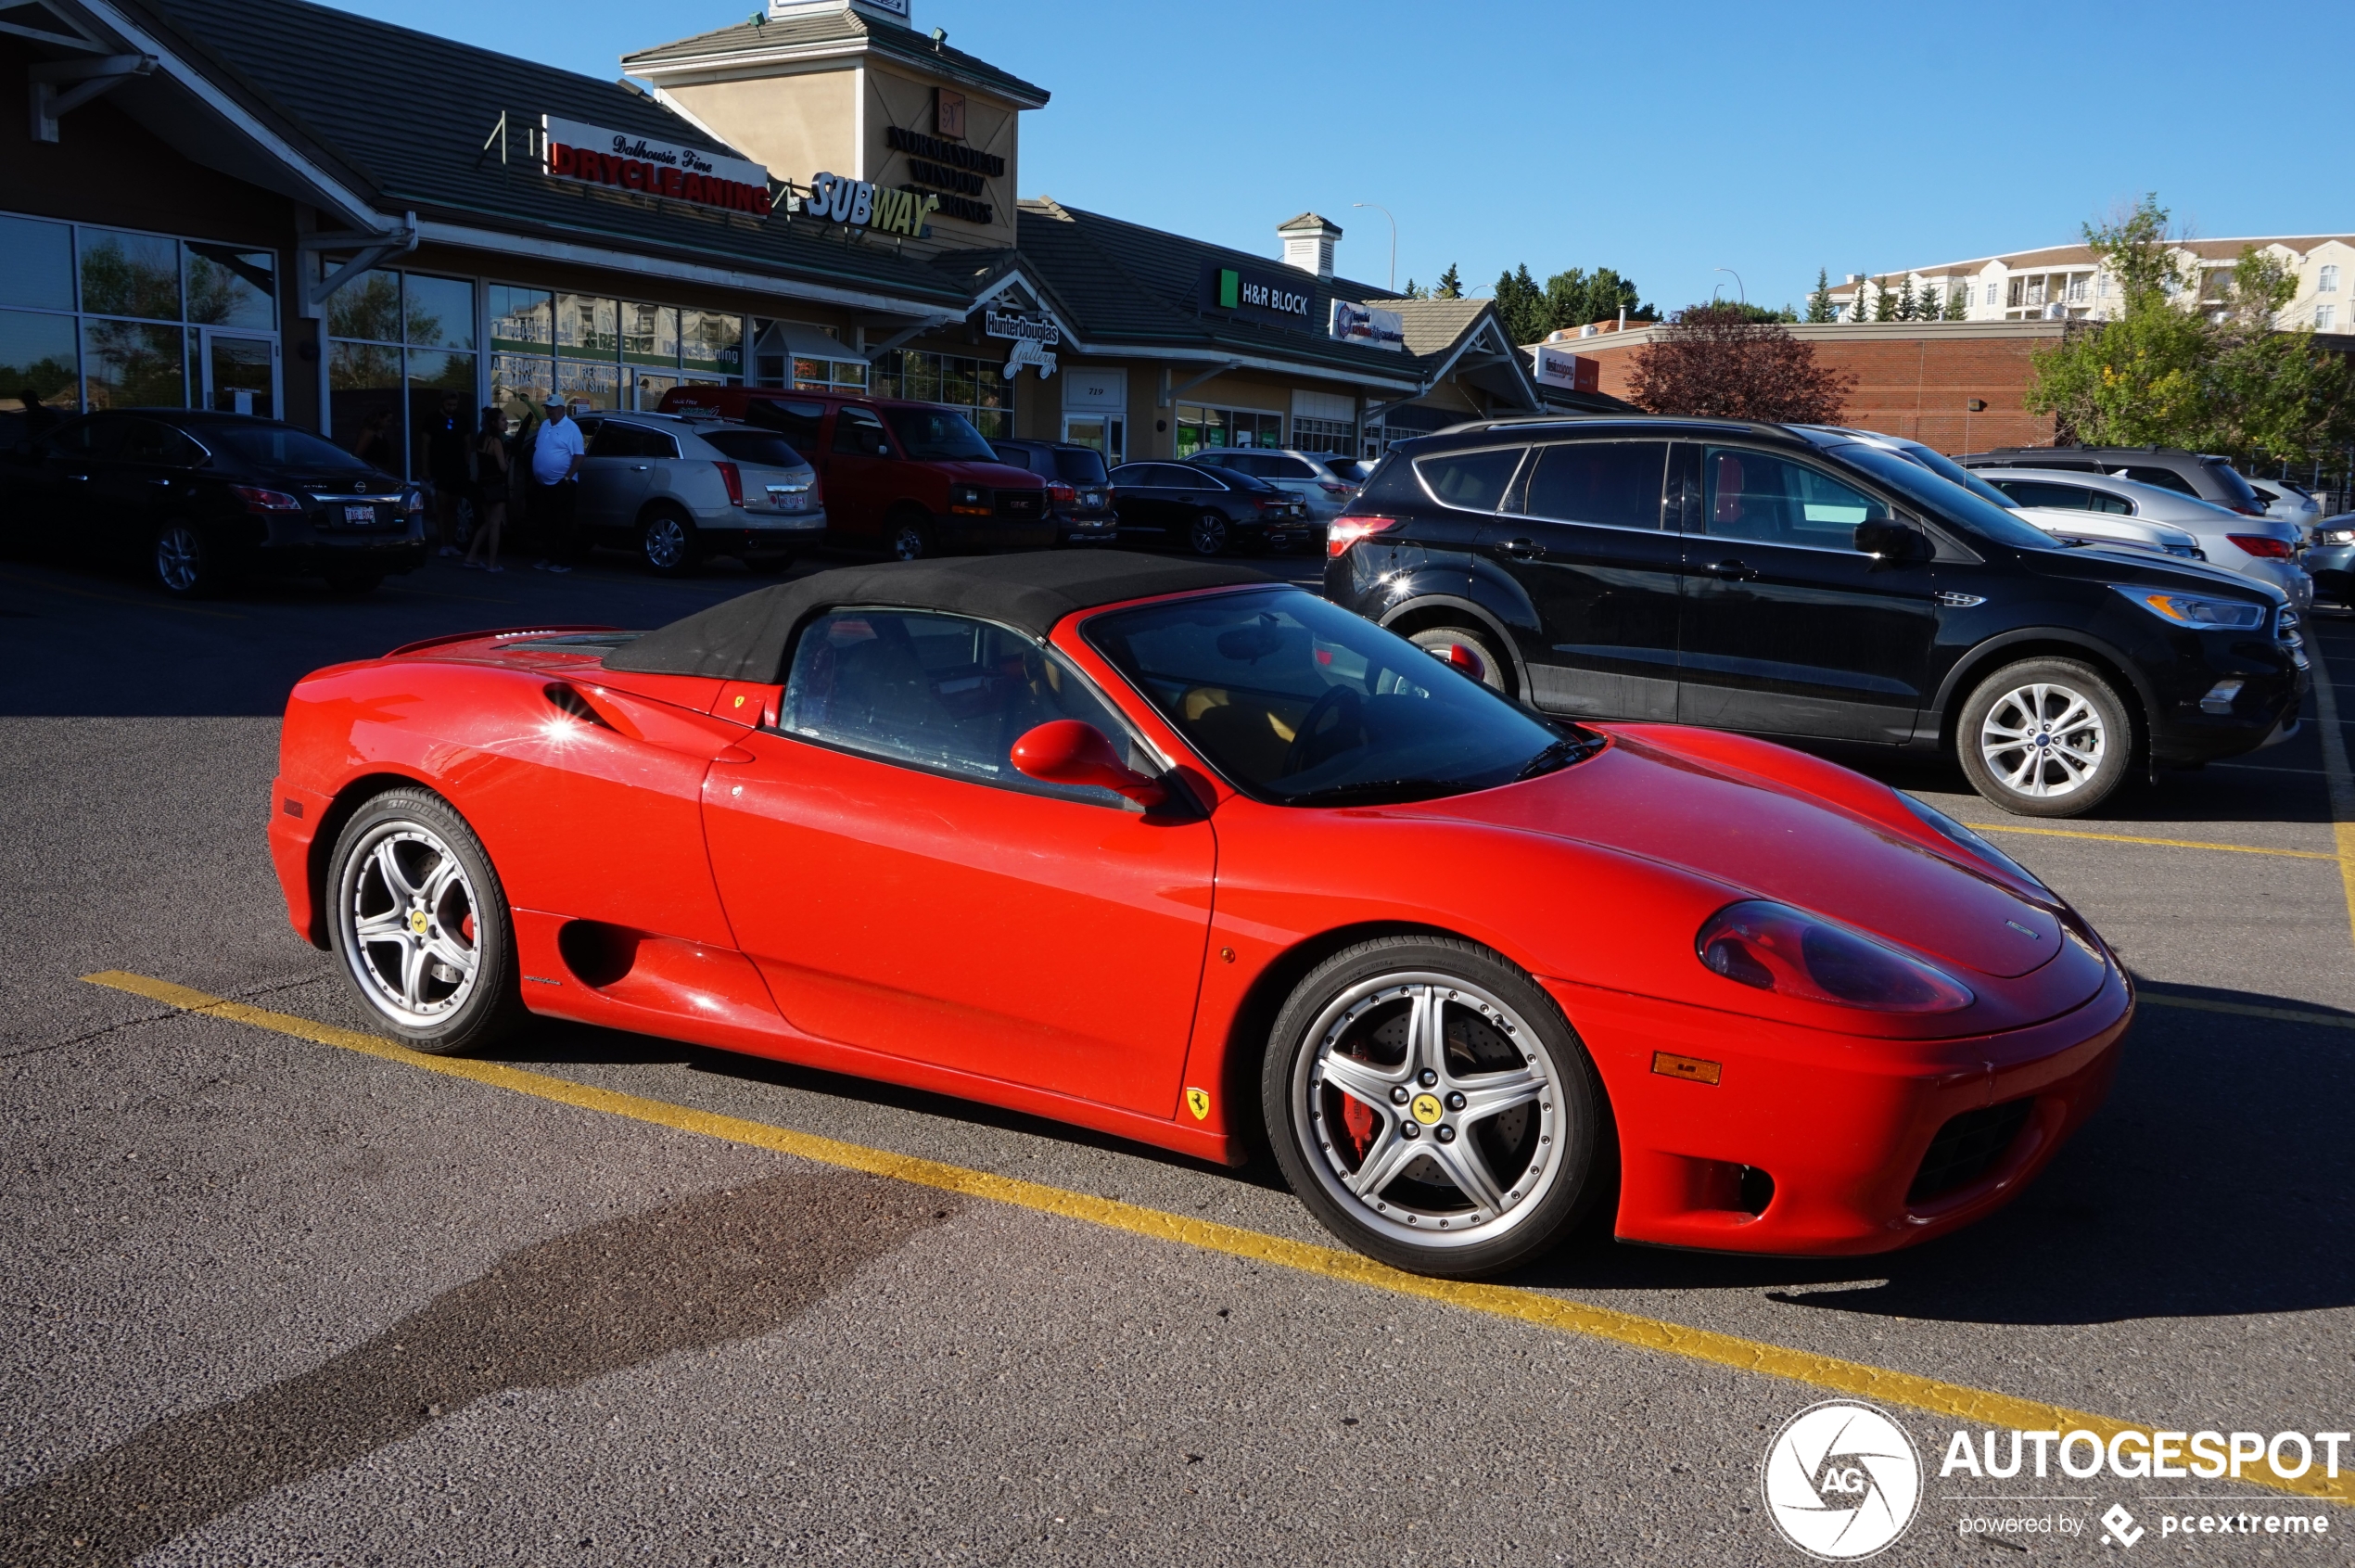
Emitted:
pixel 1170 850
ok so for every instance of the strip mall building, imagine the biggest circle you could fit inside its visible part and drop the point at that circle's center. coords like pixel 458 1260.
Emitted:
pixel 197 214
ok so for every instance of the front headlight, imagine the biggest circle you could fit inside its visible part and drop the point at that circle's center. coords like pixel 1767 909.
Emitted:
pixel 1778 949
pixel 1963 838
pixel 2195 609
pixel 2334 536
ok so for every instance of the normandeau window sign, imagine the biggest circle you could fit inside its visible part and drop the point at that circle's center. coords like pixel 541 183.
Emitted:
pixel 598 156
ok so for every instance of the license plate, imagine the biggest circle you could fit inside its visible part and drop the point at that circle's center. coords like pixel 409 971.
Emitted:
pixel 788 500
pixel 359 516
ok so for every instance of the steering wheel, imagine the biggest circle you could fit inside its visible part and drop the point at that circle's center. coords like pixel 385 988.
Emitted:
pixel 1298 757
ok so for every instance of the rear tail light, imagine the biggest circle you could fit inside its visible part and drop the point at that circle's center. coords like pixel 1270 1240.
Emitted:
pixel 733 477
pixel 2250 511
pixel 2259 545
pixel 1329 488
pixel 1063 495
pixel 1778 949
pixel 265 502
pixel 1342 532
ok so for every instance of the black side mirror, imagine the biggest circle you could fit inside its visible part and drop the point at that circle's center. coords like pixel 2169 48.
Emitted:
pixel 1892 543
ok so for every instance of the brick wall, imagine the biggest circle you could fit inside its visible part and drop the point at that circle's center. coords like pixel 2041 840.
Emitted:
pixel 1912 380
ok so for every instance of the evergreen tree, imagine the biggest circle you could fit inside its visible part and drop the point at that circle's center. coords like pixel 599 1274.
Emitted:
pixel 1521 305
pixel 1908 306
pixel 1884 301
pixel 1450 286
pixel 1955 308
pixel 1819 304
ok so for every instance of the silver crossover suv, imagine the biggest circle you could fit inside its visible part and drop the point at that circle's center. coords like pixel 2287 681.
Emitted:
pixel 676 489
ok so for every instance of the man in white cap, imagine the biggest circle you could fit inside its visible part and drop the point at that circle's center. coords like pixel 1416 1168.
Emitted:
pixel 556 455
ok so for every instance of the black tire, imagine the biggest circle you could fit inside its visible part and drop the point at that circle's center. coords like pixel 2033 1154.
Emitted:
pixel 184 563
pixel 2061 761
pixel 421 833
pixel 1469 652
pixel 354 584
pixel 1210 533
pixel 909 537
pixel 666 543
pixel 1497 1021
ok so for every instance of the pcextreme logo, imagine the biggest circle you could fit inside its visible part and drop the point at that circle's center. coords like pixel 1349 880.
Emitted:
pixel 1841 1480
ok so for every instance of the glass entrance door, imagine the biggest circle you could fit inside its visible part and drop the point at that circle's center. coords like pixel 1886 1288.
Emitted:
pixel 241 375
pixel 1102 433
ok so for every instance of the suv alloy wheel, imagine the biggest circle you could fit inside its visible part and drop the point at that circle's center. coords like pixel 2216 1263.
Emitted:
pixel 666 543
pixel 2045 737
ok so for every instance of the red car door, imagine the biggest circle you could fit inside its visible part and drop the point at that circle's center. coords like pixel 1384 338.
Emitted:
pixel 906 891
pixel 857 473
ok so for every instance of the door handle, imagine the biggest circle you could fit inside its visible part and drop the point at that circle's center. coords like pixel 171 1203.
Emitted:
pixel 640 467
pixel 1733 571
pixel 164 484
pixel 1523 549
pixel 79 478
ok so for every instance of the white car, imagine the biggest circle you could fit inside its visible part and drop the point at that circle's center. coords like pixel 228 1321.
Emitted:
pixel 2291 502
pixel 2078 526
pixel 675 489
pixel 1303 473
pixel 2265 548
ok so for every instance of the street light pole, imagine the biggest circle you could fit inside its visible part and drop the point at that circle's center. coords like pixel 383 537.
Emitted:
pixel 1737 282
pixel 1394 239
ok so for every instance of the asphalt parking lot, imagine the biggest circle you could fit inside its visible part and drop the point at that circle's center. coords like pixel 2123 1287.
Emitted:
pixel 273 1296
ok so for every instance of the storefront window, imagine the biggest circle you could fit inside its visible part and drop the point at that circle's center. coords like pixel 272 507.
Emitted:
pixel 1200 427
pixel 650 335
pixel 1324 435
pixel 100 318
pixel 975 387
pixel 711 346
pixel 586 327
pixel 606 353
pixel 397 342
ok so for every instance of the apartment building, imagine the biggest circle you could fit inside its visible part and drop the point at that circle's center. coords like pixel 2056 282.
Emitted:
pixel 2066 281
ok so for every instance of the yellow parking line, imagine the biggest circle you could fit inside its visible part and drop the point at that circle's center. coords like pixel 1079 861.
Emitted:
pixel 2163 842
pixel 117 599
pixel 2342 781
pixel 1951 1400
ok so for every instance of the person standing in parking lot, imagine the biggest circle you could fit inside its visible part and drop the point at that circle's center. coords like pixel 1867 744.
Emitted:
pixel 493 479
pixel 446 464
pixel 556 455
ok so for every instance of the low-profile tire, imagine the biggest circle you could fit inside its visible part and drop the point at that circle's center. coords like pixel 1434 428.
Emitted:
pixel 419 924
pixel 1509 1146
pixel 183 562
pixel 1210 533
pixel 908 539
pixel 2045 737
pixel 1467 652
pixel 666 542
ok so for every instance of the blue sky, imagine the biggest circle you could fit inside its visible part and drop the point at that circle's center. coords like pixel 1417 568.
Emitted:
pixel 1666 143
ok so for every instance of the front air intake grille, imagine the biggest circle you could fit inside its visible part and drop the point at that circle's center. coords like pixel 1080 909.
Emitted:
pixel 1967 1148
pixel 1026 505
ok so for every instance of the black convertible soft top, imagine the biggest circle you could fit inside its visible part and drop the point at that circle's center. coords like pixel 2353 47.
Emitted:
pixel 745 638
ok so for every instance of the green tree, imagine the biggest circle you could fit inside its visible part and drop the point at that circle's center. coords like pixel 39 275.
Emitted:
pixel 1415 291
pixel 1819 304
pixel 1954 309
pixel 1741 309
pixel 1450 286
pixel 2165 373
pixel 1884 301
pixel 1521 306
pixel 1909 306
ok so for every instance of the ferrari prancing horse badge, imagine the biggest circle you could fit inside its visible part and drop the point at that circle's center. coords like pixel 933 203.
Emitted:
pixel 1198 1102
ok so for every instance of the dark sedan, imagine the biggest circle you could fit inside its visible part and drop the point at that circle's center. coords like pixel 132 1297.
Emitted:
pixel 1209 510
pixel 200 498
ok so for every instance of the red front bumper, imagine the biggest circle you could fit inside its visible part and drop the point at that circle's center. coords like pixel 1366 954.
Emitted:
pixel 295 814
pixel 1841 1123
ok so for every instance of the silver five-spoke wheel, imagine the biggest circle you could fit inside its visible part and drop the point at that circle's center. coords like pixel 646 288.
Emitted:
pixel 666 544
pixel 2044 740
pixel 412 933
pixel 1427 1111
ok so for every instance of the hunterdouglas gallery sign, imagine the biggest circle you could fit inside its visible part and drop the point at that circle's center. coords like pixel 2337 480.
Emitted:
pixel 600 157
pixel 1277 296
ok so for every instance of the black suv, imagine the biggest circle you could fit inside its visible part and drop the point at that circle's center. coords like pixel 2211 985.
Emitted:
pixel 2201 475
pixel 1797 582
pixel 1078 488
pixel 200 497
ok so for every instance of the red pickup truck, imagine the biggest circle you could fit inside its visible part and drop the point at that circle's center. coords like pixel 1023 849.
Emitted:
pixel 909 479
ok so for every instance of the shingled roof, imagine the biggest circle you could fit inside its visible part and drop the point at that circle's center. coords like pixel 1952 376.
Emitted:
pixel 1126 284
pixel 269 53
pixel 820 33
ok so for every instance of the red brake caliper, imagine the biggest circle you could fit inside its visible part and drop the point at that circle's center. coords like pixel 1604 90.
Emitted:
pixel 1357 1118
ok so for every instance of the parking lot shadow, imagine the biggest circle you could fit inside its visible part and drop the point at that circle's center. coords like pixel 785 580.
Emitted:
pixel 2218 1180
pixel 704 1271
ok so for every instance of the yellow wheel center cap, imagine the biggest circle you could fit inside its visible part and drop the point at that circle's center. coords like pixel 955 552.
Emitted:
pixel 418 922
pixel 1427 1109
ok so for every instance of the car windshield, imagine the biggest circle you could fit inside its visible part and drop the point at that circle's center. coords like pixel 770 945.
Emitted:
pixel 1955 473
pixel 1077 466
pixel 938 435
pixel 2236 489
pixel 283 446
pixel 1299 702
pixel 1946 500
